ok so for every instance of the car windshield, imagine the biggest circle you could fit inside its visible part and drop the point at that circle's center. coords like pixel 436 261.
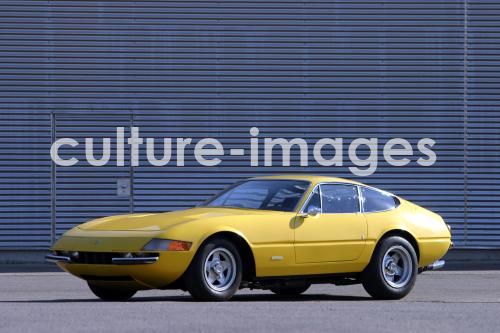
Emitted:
pixel 279 195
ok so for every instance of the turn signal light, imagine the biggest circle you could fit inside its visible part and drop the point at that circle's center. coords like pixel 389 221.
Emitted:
pixel 158 244
pixel 179 246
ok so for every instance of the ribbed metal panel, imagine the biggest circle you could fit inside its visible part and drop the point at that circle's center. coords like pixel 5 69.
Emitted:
pixel 483 123
pixel 84 191
pixel 309 69
pixel 25 180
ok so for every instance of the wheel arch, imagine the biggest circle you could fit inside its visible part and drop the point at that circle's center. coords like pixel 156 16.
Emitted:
pixel 245 251
pixel 403 234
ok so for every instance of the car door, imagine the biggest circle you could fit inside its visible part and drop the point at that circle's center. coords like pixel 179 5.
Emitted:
pixel 338 232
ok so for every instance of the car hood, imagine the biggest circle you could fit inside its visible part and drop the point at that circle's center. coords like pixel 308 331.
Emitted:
pixel 161 221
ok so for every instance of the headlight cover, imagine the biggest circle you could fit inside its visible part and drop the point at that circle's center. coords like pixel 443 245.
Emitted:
pixel 159 244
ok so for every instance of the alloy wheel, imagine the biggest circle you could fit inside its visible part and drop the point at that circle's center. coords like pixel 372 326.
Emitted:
pixel 220 269
pixel 397 266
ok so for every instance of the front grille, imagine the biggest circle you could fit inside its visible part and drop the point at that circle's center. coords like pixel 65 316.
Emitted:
pixel 95 258
pixel 99 258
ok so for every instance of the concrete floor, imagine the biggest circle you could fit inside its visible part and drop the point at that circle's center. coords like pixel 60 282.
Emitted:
pixel 450 301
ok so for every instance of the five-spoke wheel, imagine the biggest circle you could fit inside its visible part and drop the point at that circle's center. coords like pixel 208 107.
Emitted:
pixel 215 272
pixel 397 266
pixel 220 269
pixel 392 271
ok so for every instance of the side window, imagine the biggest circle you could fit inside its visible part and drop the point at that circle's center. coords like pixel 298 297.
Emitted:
pixel 314 202
pixel 339 198
pixel 376 201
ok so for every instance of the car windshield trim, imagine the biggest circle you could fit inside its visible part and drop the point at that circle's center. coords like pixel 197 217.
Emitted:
pixel 218 195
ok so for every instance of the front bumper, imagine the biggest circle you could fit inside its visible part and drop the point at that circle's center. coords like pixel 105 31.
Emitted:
pixel 114 260
pixel 115 256
pixel 55 258
pixel 147 272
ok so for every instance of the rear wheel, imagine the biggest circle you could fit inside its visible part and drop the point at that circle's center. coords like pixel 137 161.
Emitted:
pixel 111 294
pixel 392 271
pixel 292 289
pixel 216 271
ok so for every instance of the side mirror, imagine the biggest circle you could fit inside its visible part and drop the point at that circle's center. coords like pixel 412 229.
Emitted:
pixel 313 211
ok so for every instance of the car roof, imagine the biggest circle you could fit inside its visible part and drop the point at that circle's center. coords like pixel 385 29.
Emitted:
pixel 311 178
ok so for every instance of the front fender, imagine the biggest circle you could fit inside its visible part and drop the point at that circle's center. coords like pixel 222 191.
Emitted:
pixel 221 229
pixel 198 233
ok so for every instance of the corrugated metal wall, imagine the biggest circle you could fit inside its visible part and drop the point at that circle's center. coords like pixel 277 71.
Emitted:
pixel 83 191
pixel 307 69
pixel 483 123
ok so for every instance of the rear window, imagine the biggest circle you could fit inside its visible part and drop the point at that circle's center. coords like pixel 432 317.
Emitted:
pixel 377 201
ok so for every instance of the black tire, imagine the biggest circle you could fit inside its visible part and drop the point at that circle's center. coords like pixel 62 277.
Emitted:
pixel 292 289
pixel 111 294
pixel 196 279
pixel 377 280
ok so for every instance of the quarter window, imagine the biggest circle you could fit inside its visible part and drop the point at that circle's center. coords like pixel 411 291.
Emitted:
pixel 376 201
pixel 339 198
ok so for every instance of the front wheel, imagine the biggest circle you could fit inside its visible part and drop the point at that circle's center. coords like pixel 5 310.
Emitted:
pixel 392 271
pixel 111 294
pixel 216 271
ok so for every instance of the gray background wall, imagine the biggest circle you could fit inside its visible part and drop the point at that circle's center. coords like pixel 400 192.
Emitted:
pixel 308 69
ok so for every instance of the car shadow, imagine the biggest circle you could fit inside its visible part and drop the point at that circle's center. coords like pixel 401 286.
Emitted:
pixel 236 298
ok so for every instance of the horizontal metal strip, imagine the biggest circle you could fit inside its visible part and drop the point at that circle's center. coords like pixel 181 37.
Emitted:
pixel 301 41
pixel 24 233
pixel 278 83
pixel 223 94
pixel 403 17
pixel 125 35
pixel 233 100
pixel 80 216
pixel 224 8
pixel 259 3
pixel 245 53
pixel 154 121
pixel 388 92
pixel 303 70
pixel 351 47
pixel 203 110
pixel 149 25
pixel 317 122
pixel 27 242
pixel 280 61
pixel 483 235
pixel 21 225
pixel 36 38
pixel 194 75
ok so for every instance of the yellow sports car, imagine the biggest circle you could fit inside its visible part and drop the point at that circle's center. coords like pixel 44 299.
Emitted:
pixel 281 233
